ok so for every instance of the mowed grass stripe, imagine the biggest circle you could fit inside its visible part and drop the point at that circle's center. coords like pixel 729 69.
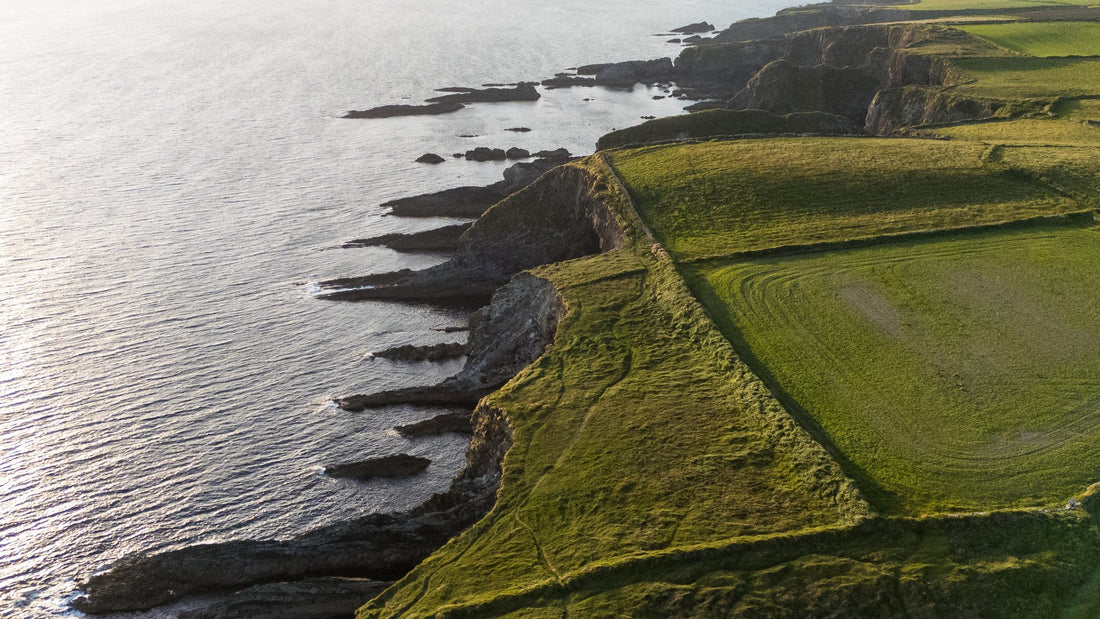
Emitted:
pixel 718 198
pixel 954 375
pixel 1043 39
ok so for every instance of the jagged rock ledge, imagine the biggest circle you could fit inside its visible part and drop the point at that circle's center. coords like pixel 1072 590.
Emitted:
pixel 313 598
pixel 440 424
pixel 399 465
pixel 430 352
pixel 471 201
pixel 436 239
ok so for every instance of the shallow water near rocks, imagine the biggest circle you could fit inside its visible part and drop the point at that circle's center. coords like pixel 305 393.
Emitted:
pixel 174 178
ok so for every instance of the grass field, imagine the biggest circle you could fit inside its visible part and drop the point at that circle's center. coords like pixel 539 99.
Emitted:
pixel 957 374
pixel 1043 39
pixel 959 5
pixel 1015 77
pixel 1027 131
pixel 718 198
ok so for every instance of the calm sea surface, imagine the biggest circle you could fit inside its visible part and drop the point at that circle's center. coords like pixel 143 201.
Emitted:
pixel 174 176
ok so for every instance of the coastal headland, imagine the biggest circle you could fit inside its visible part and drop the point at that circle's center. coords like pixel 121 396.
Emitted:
pixel 824 346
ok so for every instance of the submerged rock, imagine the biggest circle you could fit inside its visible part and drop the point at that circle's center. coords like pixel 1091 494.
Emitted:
pixel 388 467
pixel 558 154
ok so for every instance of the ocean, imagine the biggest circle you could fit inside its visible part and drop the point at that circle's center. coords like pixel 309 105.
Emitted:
pixel 175 179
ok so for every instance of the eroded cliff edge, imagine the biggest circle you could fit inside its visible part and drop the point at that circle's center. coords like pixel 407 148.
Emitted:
pixel 558 217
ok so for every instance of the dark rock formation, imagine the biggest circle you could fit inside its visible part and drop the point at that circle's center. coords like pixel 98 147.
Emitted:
pixel 389 111
pixel 782 87
pixel 892 110
pixel 437 239
pixel 592 69
pixel 675 40
pixel 432 352
pixel 470 201
pixel 313 598
pixel 518 129
pixel 633 71
pixel 695 28
pixel 441 424
pixel 482 153
pixel 379 546
pixel 558 154
pixel 522 92
pixel 505 336
pixel 517 153
pixel 568 81
pixel 430 158
pixel 400 465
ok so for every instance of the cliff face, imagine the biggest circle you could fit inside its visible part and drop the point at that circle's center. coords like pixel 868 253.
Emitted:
pixel 555 218
pixel 841 71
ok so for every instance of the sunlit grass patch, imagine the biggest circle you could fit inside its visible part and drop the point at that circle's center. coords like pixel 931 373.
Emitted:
pixel 957 374
pixel 1027 131
pixel 1060 38
pixel 718 198
pixel 1022 77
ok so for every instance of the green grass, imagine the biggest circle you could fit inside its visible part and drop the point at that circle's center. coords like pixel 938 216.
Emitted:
pixel 1043 39
pixel 957 374
pixel 1080 109
pixel 711 123
pixel 638 432
pixel 1016 77
pixel 718 198
pixel 1027 131
pixel 960 5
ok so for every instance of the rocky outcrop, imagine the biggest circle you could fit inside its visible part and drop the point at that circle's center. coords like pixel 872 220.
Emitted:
pixel 388 467
pixel 431 352
pixel 838 70
pixel 517 153
pixel 568 81
pixel 634 71
pixel 313 598
pixel 482 153
pixel 379 546
pixel 470 201
pixel 430 158
pixel 436 239
pixel 525 91
pixel 695 28
pixel 440 424
pixel 505 336
pixel 389 111
pixel 556 218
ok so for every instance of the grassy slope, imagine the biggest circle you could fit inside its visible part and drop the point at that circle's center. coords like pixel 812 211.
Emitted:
pixel 639 432
pixel 956 5
pixel 1043 38
pixel 718 198
pixel 958 374
pixel 1009 78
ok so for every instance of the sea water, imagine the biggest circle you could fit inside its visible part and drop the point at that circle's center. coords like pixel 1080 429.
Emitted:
pixel 175 178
